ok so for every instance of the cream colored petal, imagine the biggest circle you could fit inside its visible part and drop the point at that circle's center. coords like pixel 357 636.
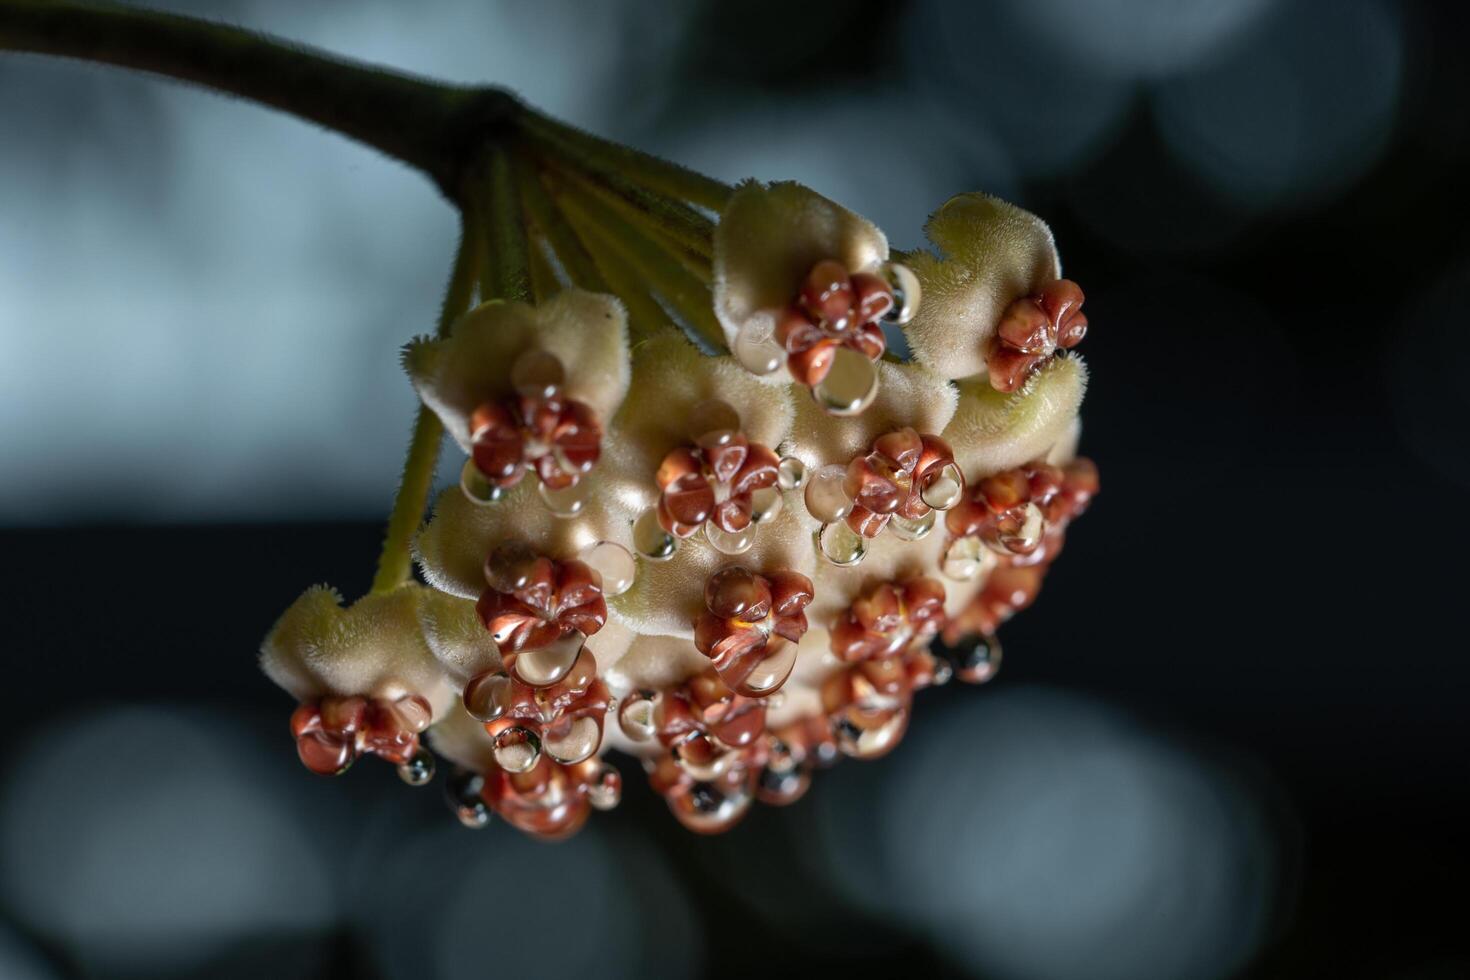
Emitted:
pixel 668 596
pixel 768 239
pixel 587 332
pixel 653 663
pixel 993 431
pixel 670 378
pixel 908 395
pixel 462 740
pixel 889 559
pixel 456 637
pixel 1064 450
pixel 996 253
pixel 373 647
pixel 451 549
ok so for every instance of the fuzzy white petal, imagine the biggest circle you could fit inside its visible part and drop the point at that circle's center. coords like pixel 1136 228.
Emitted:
pixel 995 254
pixel 768 239
pixel 889 559
pixel 993 431
pixel 587 332
pixel 373 647
pixel 456 637
pixel 908 395
pixel 462 740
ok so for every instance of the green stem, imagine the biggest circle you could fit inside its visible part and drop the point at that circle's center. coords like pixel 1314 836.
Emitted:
pixel 603 156
pixel 429 125
pixel 395 561
pixel 646 317
pixel 507 270
pixel 574 259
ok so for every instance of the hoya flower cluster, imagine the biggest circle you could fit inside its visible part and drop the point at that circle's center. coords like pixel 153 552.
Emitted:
pixel 706 517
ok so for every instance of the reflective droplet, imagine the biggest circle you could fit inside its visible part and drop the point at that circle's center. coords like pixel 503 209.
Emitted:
pixel 711 808
pixel 566 502
pixel 765 505
pixel 782 787
pixel 325 754
pixel 868 734
pixel 1026 538
pixel 850 386
pixel 462 793
pixel 517 749
pixel 711 417
pixel 702 758
pixel 580 741
pixel 912 530
pixel 487 696
pixel 651 540
pixel 942 674
pixel 826 494
pixel 790 473
pixel 729 542
pixel 964 559
pixel 979 661
pixel 478 489
pixel 906 292
pixel 840 544
pixel 509 566
pixel 419 769
pixel 944 490
pixel 546 665
pixel 756 349
pixel 537 374
pixel 606 790
pixel 636 717
pixel 614 563
pixel 771 672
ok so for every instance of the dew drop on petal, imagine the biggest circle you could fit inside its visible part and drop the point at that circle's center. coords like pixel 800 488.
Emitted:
pixel 702 758
pixel 712 808
pixel 478 489
pixel 906 292
pixel 850 386
pixel 614 563
pixel 544 666
pixel 942 674
pixel 1028 537
pixel 979 661
pixel 765 505
pixel 729 542
pixel 636 717
pixel 945 489
pixel 840 544
pixel 580 741
pixel 651 540
pixel 487 696
pixel 756 349
pixel 790 473
pixel 826 494
pixel 462 793
pixel 607 789
pixel 711 418
pixel 566 502
pixel 867 735
pixel 419 769
pixel 912 530
pixel 517 749
pixel 963 560
pixel 509 565
pixel 537 374
pixel 771 672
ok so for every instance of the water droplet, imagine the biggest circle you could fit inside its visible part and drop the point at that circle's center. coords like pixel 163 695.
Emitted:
pixel 945 489
pixel 942 674
pixel 614 563
pixel 765 505
pixel 580 741
pixel 712 418
pixel 1027 537
pixel 979 661
pixel 770 673
pixel 487 696
pixel 419 769
pixel 840 544
pixel 566 502
pixel 711 808
pixel 324 753
pixel 964 559
pixel 509 566
pixel 756 349
pixel 537 374
pixel 865 734
pixel 478 489
pixel 462 793
pixel 826 494
pixel 912 530
pixel 651 540
pixel 906 292
pixel 729 542
pixel 636 717
pixel 790 473
pixel 782 787
pixel 517 749
pixel 850 386
pixel 546 665
pixel 607 789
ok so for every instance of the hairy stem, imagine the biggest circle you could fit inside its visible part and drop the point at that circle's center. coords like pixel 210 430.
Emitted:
pixel 395 561
pixel 429 125
pixel 507 272
pixel 570 252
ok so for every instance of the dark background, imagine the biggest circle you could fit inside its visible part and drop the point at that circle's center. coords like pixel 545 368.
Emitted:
pixel 1229 740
